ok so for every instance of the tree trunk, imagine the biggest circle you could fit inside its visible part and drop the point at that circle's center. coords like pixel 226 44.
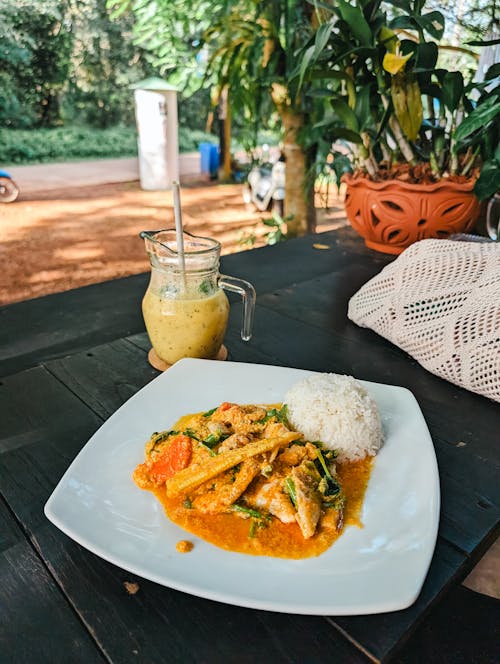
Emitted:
pixel 225 136
pixel 296 190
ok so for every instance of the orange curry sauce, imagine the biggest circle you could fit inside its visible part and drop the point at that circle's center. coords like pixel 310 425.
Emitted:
pixel 233 533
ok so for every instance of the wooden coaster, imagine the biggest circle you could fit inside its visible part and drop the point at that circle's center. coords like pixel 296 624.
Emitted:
pixel 160 365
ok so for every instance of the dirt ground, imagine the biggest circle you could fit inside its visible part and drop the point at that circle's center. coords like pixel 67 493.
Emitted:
pixel 65 238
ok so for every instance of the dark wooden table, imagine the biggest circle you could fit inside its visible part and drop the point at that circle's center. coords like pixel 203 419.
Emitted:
pixel 67 362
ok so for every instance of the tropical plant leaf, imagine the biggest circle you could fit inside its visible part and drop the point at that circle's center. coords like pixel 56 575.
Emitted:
pixel 433 23
pixel 452 89
pixel 356 21
pixel 322 36
pixel 329 74
pixel 431 89
pixel 347 134
pixel 405 5
pixel 346 114
pixel 482 115
pixel 362 107
pixel 321 92
pixel 493 72
pixel 385 119
pixel 307 60
pixel 312 53
pixel 388 38
pixel 341 164
pixel 407 101
pixel 403 22
pixel 488 182
pixel 426 55
pixel 361 51
pixel 486 42
pixel 378 23
pixel 468 106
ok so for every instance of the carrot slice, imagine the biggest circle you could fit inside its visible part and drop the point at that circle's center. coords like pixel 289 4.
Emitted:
pixel 176 457
pixel 225 406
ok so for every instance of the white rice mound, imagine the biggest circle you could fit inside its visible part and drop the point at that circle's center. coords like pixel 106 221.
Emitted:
pixel 337 411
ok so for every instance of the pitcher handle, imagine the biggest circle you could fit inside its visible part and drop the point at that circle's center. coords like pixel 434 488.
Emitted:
pixel 247 292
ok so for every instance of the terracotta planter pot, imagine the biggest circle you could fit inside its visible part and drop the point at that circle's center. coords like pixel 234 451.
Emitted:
pixel 391 215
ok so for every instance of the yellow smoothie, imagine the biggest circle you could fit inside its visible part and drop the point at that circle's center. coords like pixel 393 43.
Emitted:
pixel 180 328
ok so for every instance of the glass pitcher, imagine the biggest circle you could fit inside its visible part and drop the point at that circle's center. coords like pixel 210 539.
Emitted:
pixel 185 309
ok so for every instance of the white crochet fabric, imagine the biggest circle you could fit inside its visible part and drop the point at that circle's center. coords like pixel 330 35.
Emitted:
pixel 440 302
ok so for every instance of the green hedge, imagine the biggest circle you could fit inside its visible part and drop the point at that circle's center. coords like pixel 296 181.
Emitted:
pixel 35 146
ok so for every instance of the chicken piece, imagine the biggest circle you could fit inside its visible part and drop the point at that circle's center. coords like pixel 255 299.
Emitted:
pixel 312 451
pixel 243 419
pixel 306 479
pixel 270 496
pixel 293 455
pixel 234 441
pixel 219 428
pixel 254 413
pixel 216 495
pixel 277 429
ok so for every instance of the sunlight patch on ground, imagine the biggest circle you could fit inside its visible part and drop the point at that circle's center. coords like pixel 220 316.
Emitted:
pixel 78 252
pixel 57 240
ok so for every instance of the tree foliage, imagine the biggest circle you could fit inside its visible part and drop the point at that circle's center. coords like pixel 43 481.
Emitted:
pixel 66 60
pixel 36 45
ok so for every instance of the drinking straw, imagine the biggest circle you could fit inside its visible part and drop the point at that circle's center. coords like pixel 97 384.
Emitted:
pixel 178 227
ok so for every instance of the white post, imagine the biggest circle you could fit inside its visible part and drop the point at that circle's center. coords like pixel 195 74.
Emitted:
pixel 172 137
pixel 158 143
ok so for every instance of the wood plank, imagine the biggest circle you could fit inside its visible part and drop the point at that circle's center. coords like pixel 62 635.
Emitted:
pixel 275 267
pixel 238 350
pixel 51 326
pixel 105 376
pixel 97 376
pixel 156 622
pixel 466 625
pixel 37 623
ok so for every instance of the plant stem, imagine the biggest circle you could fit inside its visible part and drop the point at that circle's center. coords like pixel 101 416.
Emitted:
pixel 434 164
pixel 368 160
pixel 430 108
pixel 470 162
pixel 453 154
pixel 403 144
pixel 385 152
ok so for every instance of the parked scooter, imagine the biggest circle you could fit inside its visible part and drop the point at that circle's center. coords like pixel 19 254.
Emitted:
pixel 9 190
pixel 265 187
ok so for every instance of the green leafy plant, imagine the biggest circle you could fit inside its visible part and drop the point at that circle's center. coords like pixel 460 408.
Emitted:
pixel 385 95
pixel 480 132
pixel 278 226
pixel 23 146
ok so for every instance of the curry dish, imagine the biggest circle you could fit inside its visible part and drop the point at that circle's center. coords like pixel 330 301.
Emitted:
pixel 240 478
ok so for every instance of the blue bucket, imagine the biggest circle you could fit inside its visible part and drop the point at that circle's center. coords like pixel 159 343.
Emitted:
pixel 209 159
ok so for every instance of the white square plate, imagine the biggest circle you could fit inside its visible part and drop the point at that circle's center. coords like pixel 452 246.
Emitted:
pixel 380 567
